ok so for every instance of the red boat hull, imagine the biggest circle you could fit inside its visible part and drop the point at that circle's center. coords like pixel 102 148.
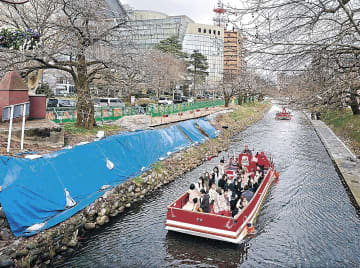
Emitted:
pixel 283 116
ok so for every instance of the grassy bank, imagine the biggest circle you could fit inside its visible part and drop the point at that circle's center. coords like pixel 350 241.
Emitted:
pixel 345 125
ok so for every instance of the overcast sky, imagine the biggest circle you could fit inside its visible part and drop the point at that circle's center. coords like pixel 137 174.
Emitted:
pixel 201 11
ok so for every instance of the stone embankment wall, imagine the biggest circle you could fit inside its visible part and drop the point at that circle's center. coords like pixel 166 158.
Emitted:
pixel 53 244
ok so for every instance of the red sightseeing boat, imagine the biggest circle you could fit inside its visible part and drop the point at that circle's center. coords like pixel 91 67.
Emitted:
pixel 219 227
pixel 284 115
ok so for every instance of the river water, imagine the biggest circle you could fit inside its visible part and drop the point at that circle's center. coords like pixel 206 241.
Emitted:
pixel 307 219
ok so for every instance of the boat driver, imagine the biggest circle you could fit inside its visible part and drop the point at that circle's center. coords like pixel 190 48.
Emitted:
pixel 246 151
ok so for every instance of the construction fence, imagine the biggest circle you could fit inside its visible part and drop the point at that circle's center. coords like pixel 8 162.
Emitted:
pixel 66 115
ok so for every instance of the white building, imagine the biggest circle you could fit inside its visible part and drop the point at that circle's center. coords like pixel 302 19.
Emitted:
pixel 148 28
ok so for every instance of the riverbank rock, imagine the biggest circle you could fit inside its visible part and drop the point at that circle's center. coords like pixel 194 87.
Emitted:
pixel 104 211
pixel 121 209
pixel 2 213
pixel 90 225
pixel 6 262
pixel 5 235
pixel 101 220
pixel 21 253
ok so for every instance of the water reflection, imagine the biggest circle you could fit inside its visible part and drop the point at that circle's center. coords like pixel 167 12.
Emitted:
pixel 195 251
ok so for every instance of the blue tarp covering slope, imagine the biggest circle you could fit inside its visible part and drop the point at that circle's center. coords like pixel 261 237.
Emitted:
pixel 33 190
pixel 191 131
pixel 208 128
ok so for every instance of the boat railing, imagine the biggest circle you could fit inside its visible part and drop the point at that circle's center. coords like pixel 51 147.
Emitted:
pixel 185 200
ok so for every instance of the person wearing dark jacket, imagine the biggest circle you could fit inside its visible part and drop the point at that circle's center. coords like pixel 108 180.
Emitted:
pixel 222 182
pixel 205 201
pixel 247 193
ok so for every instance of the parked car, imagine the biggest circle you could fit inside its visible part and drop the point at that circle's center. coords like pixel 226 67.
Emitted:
pixel 53 103
pixel 67 103
pixel 190 100
pixel 108 102
pixel 60 103
pixel 165 100
pixel 178 99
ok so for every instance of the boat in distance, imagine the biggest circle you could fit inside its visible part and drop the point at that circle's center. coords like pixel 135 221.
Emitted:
pixel 283 115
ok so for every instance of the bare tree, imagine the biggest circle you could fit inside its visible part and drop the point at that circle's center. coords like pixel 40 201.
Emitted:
pixel 143 68
pixel 300 36
pixel 76 37
pixel 163 71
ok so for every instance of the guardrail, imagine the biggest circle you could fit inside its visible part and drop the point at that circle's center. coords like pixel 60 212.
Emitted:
pixel 65 115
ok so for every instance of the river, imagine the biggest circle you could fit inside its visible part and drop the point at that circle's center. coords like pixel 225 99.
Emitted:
pixel 307 219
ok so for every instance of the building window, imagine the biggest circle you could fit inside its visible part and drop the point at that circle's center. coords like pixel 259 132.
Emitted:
pixel 218 32
pixel 209 31
pixel 199 30
pixel 204 30
pixel 214 32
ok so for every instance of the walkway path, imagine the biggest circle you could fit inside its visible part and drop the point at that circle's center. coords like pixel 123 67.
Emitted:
pixel 345 160
pixel 173 118
pixel 134 122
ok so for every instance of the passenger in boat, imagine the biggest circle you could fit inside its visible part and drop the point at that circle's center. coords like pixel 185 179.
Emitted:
pixel 240 168
pixel 222 181
pixel 244 179
pixel 193 193
pixel 257 174
pixel 227 183
pixel 255 158
pixel 227 193
pixel 207 179
pixel 238 187
pixel 196 207
pixel 236 162
pixel 216 175
pixel 221 168
pixel 212 193
pixel 212 179
pixel 247 193
pixel 221 205
pixel 246 150
pixel 251 185
pixel 240 205
pixel 204 201
pixel 201 185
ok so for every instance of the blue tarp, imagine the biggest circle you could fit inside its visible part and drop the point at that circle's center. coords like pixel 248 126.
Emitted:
pixel 208 128
pixel 33 190
pixel 191 131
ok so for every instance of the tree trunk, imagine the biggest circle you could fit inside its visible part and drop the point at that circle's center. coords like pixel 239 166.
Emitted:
pixel 85 107
pixel 240 99
pixel 261 97
pixel 354 104
pixel 227 100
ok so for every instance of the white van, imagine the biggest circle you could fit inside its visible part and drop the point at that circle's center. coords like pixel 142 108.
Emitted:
pixel 165 100
pixel 108 102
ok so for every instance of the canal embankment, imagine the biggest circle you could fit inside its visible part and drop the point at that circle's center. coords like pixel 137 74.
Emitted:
pixel 344 159
pixel 63 239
